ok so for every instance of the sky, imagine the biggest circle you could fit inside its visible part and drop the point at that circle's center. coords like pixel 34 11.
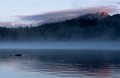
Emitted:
pixel 13 12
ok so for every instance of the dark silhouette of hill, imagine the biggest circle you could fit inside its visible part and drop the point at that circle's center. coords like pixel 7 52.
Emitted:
pixel 94 26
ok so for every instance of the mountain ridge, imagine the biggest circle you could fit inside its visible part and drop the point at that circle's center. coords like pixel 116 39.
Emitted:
pixel 105 28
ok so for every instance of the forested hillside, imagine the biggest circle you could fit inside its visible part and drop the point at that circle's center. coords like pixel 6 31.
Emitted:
pixel 97 26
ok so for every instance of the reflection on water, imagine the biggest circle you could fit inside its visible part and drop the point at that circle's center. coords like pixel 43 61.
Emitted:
pixel 59 64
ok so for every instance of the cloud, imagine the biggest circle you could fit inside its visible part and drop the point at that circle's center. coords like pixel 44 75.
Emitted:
pixel 4 24
pixel 112 2
pixel 12 24
pixel 66 14
pixel 118 2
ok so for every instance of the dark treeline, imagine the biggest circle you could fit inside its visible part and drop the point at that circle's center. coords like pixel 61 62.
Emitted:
pixel 86 27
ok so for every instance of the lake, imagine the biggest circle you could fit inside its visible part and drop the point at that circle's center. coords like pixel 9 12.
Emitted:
pixel 49 63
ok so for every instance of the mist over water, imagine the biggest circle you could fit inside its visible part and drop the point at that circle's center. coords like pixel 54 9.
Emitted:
pixel 60 59
pixel 61 45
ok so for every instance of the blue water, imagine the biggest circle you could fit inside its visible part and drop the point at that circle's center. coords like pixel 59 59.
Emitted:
pixel 59 64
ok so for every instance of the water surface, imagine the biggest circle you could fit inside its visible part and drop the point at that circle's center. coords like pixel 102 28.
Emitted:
pixel 59 64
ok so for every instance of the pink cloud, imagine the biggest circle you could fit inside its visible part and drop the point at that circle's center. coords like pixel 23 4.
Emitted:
pixel 11 24
pixel 67 14
pixel 4 24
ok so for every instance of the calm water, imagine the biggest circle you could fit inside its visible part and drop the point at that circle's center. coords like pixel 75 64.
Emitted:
pixel 59 64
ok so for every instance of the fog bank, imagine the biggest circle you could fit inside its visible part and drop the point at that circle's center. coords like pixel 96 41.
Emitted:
pixel 61 45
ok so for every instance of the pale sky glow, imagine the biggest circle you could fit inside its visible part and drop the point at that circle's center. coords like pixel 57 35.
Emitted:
pixel 9 9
